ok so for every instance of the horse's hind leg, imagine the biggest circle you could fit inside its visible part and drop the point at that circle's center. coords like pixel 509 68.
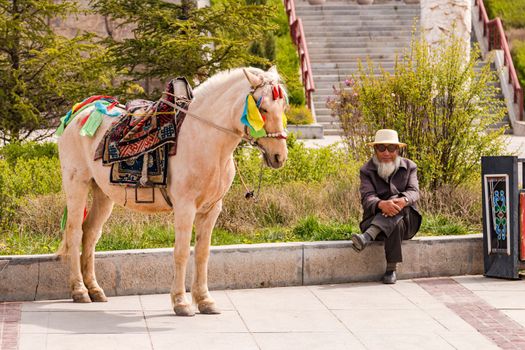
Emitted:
pixel 204 224
pixel 76 189
pixel 92 227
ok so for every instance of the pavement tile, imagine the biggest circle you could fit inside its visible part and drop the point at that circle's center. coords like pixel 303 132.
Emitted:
pixel 291 321
pixel 388 320
pixel 516 315
pixel 449 320
pixel 479 313
pixel 471 340
pixel 98 341
pixel 60 322
pixel 503 299
pixel 203 341
pixel 409 340
pixel 162 302
pixel 33 342
pixel 34 323
pixel 226 322
pixel 361 296
pixel 481 283
pixel 307 341
pixel 289 298
pixel 131 303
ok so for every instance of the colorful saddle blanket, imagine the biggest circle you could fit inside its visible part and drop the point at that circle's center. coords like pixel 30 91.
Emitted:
pixel 139 144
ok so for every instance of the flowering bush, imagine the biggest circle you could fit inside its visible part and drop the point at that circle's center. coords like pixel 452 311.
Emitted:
pixel 441 107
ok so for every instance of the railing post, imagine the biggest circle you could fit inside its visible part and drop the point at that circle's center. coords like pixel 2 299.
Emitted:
pixel 297 33
pixel 497 40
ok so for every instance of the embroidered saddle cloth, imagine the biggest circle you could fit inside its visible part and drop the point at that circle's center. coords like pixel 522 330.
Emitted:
pixel 139 144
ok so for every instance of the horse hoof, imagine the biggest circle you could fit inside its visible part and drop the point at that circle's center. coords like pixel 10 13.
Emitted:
pixel 184 310
pixel 209 309
pixel 98 296
pixel 81 298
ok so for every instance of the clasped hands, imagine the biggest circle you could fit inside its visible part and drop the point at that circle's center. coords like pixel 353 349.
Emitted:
pixel 392 207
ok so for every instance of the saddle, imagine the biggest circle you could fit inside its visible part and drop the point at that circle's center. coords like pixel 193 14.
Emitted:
pixel 138 145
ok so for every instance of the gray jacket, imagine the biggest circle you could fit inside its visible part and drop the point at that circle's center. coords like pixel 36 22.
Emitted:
pixel 403 183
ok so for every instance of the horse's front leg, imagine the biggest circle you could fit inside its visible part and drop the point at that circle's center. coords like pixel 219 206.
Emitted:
pixel 184 216
pixel 204 224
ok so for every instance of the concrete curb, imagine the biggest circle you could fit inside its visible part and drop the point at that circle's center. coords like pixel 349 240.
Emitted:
pixel 37 277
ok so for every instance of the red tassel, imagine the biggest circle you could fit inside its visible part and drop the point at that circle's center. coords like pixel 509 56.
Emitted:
pixel 83 121
pixel 110 107
pixel 275 92
pixel 280 92
pixel 85 214
pixel 264 117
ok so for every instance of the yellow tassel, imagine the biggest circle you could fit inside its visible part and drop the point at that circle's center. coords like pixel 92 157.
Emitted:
pixel 254 116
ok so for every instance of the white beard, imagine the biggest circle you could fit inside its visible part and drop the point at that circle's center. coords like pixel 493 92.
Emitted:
pixel 385 170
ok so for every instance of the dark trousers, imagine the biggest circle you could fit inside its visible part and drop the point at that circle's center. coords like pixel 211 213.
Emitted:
pixel 394 230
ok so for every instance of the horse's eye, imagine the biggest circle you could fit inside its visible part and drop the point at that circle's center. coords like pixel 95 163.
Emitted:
pixel 264 110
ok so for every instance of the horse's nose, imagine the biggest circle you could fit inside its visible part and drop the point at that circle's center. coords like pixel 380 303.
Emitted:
pixel 277 158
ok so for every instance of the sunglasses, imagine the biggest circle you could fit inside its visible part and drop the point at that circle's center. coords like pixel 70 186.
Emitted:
pixel 390 148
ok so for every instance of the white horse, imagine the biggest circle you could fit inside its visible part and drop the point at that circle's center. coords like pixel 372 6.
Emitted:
pixel 199 176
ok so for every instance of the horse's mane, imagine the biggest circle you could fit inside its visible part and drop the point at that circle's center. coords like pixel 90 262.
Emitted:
pixel 212 83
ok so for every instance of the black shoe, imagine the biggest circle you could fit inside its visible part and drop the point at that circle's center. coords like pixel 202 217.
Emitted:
pixel 389 277
pixel 360 241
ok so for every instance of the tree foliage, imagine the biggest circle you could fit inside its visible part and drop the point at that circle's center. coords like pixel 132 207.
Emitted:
pixel 42 73
pixel 179 39
pixel 440 105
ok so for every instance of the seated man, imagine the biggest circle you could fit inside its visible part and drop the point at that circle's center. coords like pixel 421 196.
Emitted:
pixel 389 192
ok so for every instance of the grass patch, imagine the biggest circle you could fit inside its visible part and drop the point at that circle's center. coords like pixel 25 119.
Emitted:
pixel 439 225
pixel 314 198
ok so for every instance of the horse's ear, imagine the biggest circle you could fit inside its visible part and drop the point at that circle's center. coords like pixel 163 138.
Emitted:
pixel 254 80
pixel 273 70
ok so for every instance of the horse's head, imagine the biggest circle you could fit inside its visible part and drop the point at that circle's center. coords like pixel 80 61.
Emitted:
pixel 269 102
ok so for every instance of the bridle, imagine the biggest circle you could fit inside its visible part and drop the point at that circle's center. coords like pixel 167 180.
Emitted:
pixel 276 92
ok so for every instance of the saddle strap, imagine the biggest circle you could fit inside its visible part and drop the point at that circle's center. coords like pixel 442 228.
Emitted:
pixel 166 197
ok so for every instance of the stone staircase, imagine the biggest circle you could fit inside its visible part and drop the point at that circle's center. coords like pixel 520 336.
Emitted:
pixel 339 33
pixel 505 122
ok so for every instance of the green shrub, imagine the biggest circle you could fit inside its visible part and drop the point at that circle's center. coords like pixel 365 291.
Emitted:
pixel 27 169
pixel 510 11
pixel 307 165
pixel 518 57
pixel 26 178
pixel 12 152
pixel 439 105
pixel 299 115
pixel 288 66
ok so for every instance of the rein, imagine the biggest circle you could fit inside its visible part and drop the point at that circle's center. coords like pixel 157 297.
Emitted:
pixel 245 136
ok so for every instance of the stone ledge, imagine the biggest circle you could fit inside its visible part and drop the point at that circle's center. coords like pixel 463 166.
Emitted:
pixel 311 131
pixel 149 271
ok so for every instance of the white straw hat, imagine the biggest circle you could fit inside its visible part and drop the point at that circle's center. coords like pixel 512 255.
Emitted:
pixel 387 136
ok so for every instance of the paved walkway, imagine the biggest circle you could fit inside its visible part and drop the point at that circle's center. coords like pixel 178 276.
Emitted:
pixel 514 144
pixel 467 312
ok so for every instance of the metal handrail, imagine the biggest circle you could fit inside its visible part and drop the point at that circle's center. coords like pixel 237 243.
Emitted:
pixel 298 38
pixel 495 34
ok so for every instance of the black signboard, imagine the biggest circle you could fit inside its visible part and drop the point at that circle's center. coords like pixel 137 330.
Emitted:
pixel 500 216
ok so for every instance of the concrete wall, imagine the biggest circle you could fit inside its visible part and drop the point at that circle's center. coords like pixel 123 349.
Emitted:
pixel 442 18
pixel 243 266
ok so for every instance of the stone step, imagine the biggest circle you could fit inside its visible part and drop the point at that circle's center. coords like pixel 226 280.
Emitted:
pixel 334 58
pixel 327 119
pixel 363 30
pixel 358 9
pixel 350 22
pixel 357 51
pixel 346 65
pixel 364 42
pixel 314 34
pixel 333 132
